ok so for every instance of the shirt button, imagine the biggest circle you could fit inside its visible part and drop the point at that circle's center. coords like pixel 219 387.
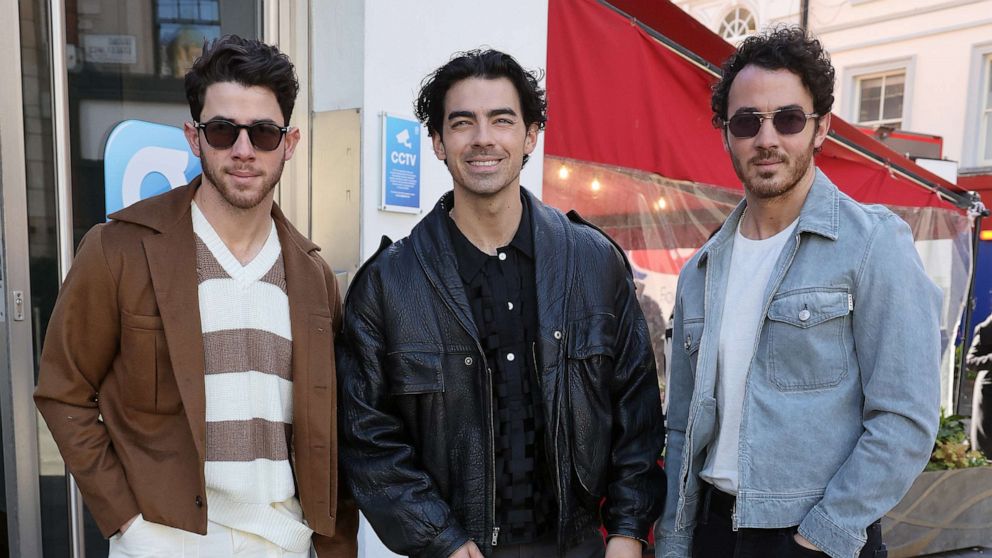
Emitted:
pixel 509 305
pixel 198 501
pixel 510 357
pixel 468 361
pixel 557 334
pixel 502 256
pixel 803 315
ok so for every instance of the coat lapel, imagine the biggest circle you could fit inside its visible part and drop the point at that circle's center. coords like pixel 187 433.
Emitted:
pixel 172 265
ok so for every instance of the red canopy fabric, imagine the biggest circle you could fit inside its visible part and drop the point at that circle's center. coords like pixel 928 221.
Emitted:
pixel 617 96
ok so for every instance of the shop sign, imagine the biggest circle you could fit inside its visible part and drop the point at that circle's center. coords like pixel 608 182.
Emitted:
pixel 144 159
pixel 110 49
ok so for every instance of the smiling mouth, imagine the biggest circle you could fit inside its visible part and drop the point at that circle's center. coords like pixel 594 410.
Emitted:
pixel 492 163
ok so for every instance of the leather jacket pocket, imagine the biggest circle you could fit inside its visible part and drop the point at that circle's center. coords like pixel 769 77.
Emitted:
pixel 149 383
pixel 590 352
pixel 415 372
pixel 808 337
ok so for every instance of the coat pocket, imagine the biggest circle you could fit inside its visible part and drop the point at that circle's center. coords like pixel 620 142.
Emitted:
pixel 808 338
pixel 590 369
pixel 149 382
pixel 415 372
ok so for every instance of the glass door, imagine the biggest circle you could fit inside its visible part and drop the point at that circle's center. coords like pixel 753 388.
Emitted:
pixel 86 67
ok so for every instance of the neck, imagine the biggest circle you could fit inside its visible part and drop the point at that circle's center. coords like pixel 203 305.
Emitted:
pixel 244 231
pixel 766 217
pixel 488 222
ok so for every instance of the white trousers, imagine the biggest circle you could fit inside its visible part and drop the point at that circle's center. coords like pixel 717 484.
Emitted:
pixel 144 539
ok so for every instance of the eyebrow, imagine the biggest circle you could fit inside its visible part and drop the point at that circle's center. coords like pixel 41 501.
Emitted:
pixel 229 119
pixel 746 110
pixel 469 114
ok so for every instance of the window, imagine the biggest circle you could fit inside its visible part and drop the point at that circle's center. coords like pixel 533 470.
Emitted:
pixel 737 24
pixel 985 135
pixel 880 99
pixel 182 27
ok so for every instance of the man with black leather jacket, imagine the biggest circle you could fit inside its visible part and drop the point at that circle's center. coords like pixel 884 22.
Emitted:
pixel 498 387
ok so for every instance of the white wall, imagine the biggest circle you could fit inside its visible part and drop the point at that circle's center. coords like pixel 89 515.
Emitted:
pixel 405 41
pixel 373 55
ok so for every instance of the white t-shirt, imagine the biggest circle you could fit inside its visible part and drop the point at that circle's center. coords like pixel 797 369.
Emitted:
pixel 751 265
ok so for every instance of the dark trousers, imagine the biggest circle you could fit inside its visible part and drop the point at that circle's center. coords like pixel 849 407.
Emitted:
pixel 714 536
pixel 593 547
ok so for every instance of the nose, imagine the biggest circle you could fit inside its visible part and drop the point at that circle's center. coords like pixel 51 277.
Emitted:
pixel 767 135
pixel 242 148
pixel 483 135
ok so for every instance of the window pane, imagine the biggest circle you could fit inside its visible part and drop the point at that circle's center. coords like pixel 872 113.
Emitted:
pixel 987 124
pixel 871 92
pixel 894 89
pixel 988 82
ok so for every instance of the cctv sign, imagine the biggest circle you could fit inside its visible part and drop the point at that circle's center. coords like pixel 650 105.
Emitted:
pixel 400 164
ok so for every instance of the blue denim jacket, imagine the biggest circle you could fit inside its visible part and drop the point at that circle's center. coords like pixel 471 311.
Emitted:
pixel 842 396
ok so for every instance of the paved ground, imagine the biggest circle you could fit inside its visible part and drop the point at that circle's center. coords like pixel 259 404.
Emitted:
pixel 969 553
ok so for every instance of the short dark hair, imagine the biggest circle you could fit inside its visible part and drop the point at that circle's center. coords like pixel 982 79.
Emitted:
pixel 785 47
pixel 486 64
pixel 249 62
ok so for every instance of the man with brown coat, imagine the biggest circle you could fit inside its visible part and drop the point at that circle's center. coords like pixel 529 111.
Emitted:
pixel 188 372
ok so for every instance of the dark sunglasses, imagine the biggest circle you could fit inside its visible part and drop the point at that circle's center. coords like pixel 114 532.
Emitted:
pixel 222 134
pixel 787 121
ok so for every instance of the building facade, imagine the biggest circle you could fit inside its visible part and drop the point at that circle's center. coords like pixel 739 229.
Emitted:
pixel 78 69
pixel 920 65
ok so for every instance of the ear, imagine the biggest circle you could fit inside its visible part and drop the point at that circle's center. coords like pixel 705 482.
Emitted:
pixel 192 138
pixel 822 128
pixel 438 147
pixel 726 138
pixel 292 139
pixel 530 140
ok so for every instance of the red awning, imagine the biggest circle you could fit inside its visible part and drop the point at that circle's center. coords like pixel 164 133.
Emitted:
pixel 618 96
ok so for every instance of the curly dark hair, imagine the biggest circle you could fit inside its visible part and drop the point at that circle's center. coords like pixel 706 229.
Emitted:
pixel 486 64
pixel 785 47
pixel 248 62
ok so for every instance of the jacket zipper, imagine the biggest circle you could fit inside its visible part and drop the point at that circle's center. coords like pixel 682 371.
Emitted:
pixel 491 519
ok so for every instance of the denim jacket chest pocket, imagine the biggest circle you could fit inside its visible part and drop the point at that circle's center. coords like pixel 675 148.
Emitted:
pixel 808 338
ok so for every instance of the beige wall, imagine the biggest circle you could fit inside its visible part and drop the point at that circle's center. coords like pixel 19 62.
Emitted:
pixel 939 42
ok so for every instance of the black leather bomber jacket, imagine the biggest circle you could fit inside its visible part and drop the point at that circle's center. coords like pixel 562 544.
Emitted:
pixel 416 396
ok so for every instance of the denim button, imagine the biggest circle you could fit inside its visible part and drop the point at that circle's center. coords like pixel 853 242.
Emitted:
pixel 688 342
pixel 803 315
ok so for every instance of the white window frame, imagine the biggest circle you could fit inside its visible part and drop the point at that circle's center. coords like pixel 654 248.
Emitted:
pixel 974 134
pixel 736 11
pixel 853 76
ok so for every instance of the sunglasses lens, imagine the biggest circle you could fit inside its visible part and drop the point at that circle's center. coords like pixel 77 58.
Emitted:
pixel 744 125
pixel 791 121
pixel 220 134
pixel 265 136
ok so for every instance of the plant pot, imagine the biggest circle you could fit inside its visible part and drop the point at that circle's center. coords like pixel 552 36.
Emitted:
pixel 944 510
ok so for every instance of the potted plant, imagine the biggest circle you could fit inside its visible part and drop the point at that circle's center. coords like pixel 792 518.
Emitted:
pixel 950 505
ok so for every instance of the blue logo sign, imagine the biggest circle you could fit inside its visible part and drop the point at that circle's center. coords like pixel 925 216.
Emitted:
pixel 401 164
pixel 144 159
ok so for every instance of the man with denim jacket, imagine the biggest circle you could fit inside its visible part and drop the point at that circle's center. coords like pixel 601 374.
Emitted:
pixel 804 384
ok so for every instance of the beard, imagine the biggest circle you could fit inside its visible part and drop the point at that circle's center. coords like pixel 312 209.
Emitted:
pixel 764 184
pixel 240 198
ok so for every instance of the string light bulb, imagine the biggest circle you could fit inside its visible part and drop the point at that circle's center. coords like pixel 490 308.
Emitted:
pixel 563 172
pixel 596 186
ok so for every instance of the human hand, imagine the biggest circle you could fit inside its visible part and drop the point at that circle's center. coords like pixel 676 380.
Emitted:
pixel 803 542
pixel 128 524
pixel 623 547
pixel 467 550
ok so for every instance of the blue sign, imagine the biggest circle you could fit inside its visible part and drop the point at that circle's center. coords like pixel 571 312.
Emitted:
pixel 400 164
pixel 144 159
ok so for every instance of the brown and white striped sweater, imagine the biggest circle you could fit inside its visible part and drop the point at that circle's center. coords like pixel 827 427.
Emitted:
pixel 247 343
